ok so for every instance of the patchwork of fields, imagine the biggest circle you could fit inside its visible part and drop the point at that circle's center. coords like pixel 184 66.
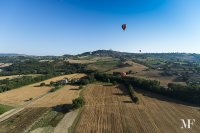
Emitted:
pixel 142 71
pixel 21 95
pixel 45 111
pixel 156 75
pixel 134 67
pixel 110 65
pixel 88 59
pixel 108 108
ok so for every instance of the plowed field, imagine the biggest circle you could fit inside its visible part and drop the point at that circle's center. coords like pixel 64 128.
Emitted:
pixel 22 120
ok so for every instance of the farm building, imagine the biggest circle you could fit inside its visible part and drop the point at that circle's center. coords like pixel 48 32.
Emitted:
pixel 119 74
pixel 74 80
pixel 123 74
pixel 64 81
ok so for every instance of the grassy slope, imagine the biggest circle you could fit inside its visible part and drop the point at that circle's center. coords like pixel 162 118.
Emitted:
pixel 104 65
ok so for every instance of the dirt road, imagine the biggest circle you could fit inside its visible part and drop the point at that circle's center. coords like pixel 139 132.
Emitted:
pixel 66 122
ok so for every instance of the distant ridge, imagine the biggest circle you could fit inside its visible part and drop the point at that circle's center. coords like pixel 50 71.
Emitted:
pixel 11 54
pixel 105 53
pixel 118 53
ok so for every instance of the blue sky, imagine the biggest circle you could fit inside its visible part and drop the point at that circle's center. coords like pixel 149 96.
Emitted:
pixel 57 27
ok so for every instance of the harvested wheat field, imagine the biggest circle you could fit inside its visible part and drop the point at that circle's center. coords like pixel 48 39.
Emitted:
pixel 110 109
pixel 80 61
pixel 63 96
pixel 21 95
pixel 136 66
pixel 88 60
pixel 79 75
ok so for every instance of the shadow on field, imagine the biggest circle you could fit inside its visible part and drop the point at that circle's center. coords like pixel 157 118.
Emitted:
pixel 123 90
pixel 36 86
pixel 27 100
pixel 63 108
pixel 74 89
pixel 164 98
pixel 127 101
pixel 108 85
pixel 119 94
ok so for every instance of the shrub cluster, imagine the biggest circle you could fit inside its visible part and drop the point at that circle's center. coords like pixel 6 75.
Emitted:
pixel 78 103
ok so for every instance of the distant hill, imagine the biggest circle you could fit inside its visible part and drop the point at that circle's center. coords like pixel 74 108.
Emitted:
pixel 68 55
pixel 11 54
pixel 169 56
pixel 106 53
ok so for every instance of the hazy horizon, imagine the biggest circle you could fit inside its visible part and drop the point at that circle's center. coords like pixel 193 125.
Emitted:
pixel 103 49
pixel 58 27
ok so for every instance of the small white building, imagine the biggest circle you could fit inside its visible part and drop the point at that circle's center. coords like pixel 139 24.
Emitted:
pixel 64 81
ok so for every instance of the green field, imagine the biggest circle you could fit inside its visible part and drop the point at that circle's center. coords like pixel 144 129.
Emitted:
pixel 4 108
pixel 104 66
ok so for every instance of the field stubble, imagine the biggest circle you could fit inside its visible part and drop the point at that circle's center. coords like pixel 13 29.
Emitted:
pixel 110 109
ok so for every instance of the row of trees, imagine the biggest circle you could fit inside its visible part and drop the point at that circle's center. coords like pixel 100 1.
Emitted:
pixel 184 93
pixel 85 80
pixel 132 93
pixel 48 70
pixel 187 93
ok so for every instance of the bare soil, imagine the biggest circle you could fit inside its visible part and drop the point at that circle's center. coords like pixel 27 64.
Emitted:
pixel 5 65
pixel 9 77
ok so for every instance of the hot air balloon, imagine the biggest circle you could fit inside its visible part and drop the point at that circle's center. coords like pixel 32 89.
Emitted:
pixel 124 27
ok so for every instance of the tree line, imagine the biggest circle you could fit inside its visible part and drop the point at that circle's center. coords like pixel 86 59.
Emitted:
pixel 188 93
pixel 36 67
pixel 48 70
